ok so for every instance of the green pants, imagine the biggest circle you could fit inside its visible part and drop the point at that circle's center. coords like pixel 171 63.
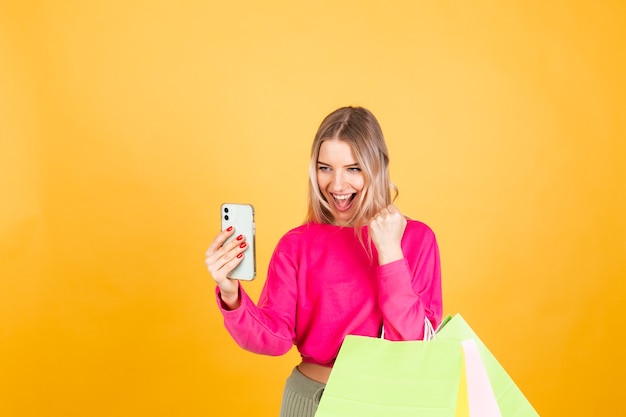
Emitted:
pixel 301 396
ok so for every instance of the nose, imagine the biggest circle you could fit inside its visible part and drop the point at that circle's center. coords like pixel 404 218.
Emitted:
pixel 338 182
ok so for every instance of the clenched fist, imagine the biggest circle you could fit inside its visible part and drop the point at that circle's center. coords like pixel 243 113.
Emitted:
pixel 386 229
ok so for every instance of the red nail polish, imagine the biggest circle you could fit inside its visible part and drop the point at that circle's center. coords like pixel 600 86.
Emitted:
pixel 229 228
pixel 240 255
pixel 239 237
pixel 243 245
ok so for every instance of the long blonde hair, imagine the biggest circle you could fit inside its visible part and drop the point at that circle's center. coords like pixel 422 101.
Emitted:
pixel 359 128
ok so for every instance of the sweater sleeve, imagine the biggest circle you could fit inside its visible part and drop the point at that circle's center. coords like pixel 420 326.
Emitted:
pixel 410 288
pixel 269 327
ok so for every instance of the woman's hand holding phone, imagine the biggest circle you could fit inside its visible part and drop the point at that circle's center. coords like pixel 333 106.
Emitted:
pixel 225 257
pixel 221 258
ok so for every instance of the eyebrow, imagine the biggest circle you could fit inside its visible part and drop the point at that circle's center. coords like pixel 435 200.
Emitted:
pixel 354 164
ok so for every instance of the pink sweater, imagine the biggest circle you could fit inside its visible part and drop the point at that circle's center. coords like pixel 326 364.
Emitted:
pixel 322 285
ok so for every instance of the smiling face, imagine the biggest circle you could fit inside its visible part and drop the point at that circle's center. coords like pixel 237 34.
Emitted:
pixel 340 179
pixel 348 170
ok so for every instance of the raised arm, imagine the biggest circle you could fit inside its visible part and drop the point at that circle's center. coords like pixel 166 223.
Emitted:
pixel 409 281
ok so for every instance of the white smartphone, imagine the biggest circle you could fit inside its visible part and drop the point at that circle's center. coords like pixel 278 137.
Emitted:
pixel 241 217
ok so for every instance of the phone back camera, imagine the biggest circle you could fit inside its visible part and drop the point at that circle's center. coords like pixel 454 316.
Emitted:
pixel 226 217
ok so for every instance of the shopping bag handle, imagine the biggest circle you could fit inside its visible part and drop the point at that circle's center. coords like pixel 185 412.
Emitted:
pixel 429 331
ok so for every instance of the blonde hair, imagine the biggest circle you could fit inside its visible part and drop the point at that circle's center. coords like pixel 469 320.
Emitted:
pixel 359 128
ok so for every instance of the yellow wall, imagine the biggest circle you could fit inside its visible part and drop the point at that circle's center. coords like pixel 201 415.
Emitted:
pixel 124 125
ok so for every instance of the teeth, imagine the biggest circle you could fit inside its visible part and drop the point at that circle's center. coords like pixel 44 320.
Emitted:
pixel 342 197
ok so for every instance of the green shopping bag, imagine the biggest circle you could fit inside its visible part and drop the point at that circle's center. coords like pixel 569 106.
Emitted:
pixel 375 377
pixel 511 400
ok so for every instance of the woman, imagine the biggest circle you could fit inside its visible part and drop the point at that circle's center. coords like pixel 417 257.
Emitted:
pixel 355 266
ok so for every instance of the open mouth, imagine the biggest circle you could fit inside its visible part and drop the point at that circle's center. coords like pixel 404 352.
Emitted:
pixel 343 202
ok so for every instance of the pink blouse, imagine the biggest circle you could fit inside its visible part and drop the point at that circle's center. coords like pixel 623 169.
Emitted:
pixel 323 285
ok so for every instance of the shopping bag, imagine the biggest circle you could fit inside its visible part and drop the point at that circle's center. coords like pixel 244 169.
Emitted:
pixel 481 400
pixel 453 374
pixel 510 399
pixel 462 405
pixel 374 377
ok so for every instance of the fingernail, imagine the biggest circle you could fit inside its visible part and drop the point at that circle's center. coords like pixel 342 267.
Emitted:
pixel 239 237
pixel 229 228
pixel 243 245
pixel 240 255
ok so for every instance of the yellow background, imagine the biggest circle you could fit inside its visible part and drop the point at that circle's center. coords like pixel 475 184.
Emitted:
pixel 124 125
